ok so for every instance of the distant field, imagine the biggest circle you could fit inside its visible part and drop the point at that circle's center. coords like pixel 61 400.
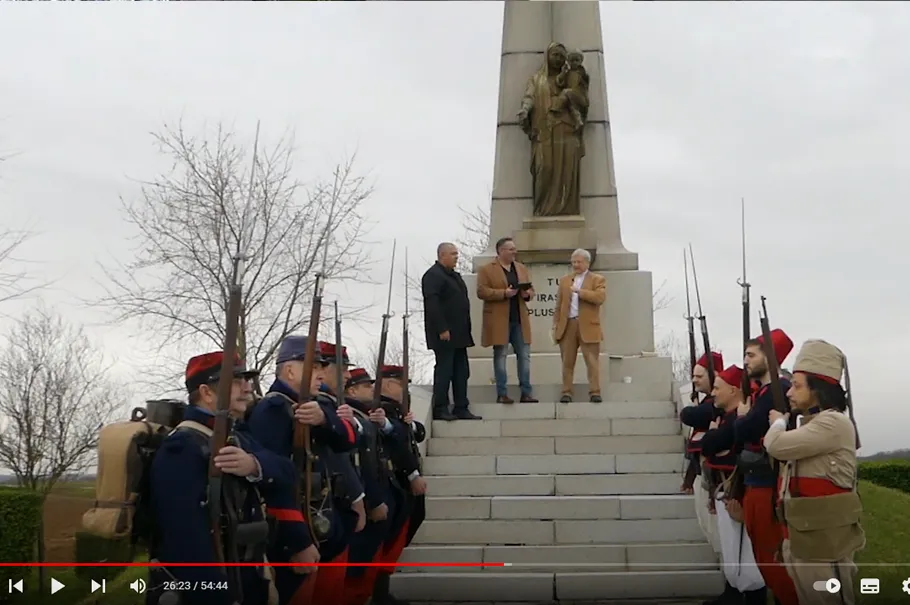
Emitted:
pixel 63 512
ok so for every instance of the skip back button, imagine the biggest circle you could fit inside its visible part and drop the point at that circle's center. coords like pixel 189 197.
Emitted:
pixel 831 586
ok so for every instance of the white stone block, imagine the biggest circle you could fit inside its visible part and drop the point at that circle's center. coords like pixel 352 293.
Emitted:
pixel 516 411
pixel 459 465
pixel 650 463
pixel 555 507
pixel 466 428
pixel 617 409
pixel 651 557
pixel 580 464
pixel 649 426
pixel 467 587
pixel 441 554
pixel 555 428
pixel 604 485
pixel 615 445
pixel 638 585
pixel 491 446
pixel 657 507
pixel 458 507
pixel 485 532
pixel 623 532
pixel 491 485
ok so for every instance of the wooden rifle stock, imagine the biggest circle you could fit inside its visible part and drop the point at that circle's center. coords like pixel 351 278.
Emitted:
pixel 777 390
pixel 223 520
pixel 303 453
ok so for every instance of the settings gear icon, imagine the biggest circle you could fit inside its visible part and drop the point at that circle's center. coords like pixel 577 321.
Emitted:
pixel 906 585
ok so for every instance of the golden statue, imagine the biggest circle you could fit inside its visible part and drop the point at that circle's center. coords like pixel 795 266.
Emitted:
pixel 553 113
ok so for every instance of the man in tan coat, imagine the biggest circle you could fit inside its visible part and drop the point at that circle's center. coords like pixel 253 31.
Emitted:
pixel 817 489
pixel 576 323
pixel 504 286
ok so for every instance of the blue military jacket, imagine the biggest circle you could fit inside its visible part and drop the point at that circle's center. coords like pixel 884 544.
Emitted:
pixel 178 482
pixel 272 423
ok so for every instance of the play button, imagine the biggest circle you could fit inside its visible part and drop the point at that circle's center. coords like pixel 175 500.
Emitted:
pixel 56 586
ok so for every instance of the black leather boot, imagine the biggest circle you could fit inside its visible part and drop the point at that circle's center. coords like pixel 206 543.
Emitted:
pixel 730 596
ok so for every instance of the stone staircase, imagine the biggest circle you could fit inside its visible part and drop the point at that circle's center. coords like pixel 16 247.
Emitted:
pixel 580 501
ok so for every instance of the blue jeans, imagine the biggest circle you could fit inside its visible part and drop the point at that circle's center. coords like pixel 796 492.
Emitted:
pixel 522 356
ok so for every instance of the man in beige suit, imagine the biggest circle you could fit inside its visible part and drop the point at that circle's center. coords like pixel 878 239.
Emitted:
pixel 576 323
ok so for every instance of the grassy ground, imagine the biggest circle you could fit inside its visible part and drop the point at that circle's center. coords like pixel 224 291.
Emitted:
pixel 886 519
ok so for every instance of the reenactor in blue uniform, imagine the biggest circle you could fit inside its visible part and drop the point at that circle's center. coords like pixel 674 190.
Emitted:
pixel 385 499
pixel 272 422
pixel 178 488
pixel 406 466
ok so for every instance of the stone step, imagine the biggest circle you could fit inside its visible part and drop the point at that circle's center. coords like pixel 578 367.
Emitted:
pixel 561 507
pixel 492 446
pixel 547 485
pixel 538 532
pixel 588 557
pixel 562 464
pixel 560 586
pixel 610 391
pixel 565 427
pixel 550 410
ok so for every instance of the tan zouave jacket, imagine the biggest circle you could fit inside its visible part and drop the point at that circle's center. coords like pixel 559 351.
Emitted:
pixel 821 528
pixel 591 296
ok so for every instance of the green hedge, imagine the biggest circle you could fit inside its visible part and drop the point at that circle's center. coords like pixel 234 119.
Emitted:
pixel 20 522
pixel 891 473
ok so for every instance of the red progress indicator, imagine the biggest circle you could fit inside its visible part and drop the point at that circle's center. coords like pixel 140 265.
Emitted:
pixel 148 564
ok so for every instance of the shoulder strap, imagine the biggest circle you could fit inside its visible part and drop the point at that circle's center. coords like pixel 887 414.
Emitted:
pixel 195 426
pixel 288 400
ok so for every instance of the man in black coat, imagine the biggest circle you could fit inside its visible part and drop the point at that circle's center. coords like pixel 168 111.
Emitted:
pixel 447 319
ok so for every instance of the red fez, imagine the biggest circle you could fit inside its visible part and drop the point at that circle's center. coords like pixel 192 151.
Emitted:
pixel 780 342
pixel 206 369
pixel 732 376
pixel 716 358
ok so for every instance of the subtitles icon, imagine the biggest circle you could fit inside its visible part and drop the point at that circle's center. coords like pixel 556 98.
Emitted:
pixel 869 586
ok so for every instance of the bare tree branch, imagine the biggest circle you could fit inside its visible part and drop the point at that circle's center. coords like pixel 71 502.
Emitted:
pixel 193 220
pixel 55 394
pixel 677 349
pixel 420 372
pixel 15 283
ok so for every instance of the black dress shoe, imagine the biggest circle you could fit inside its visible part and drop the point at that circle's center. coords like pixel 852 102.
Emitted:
pixel 466 415
pixel 444 415
pixel 596 399
pixel 565 399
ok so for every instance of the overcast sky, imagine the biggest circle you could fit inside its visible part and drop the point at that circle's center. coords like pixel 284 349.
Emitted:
pixel 799 107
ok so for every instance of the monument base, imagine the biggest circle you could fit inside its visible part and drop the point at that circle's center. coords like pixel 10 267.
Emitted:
pixel 553 239
pixel 626 317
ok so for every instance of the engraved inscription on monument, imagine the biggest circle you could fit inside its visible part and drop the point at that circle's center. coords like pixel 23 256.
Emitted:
pixel 553 113
pixel 544 302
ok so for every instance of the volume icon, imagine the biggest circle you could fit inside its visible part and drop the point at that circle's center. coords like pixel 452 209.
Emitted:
pixel 138 586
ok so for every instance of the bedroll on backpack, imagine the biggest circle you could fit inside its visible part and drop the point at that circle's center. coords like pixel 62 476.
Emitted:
pixel 119 521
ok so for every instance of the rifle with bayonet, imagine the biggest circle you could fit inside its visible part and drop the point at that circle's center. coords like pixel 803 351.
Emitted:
pixel 692 460
pixel 777 390
pixel 303 452
pixel 709 358
pixel 745 285
pixel 406 363
pixel 376 403
pixel 222 514
pixel 690 320
pixel 339 359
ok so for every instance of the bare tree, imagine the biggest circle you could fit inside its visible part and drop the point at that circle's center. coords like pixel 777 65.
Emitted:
pixel 15 280
pixel 215 202
pixel 678 351
pixel 55 393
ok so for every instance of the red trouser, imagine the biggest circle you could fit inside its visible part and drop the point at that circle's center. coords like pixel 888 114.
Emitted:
pixel 359 589
pixel 304 594
pixel 330 582
pixel 767 535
